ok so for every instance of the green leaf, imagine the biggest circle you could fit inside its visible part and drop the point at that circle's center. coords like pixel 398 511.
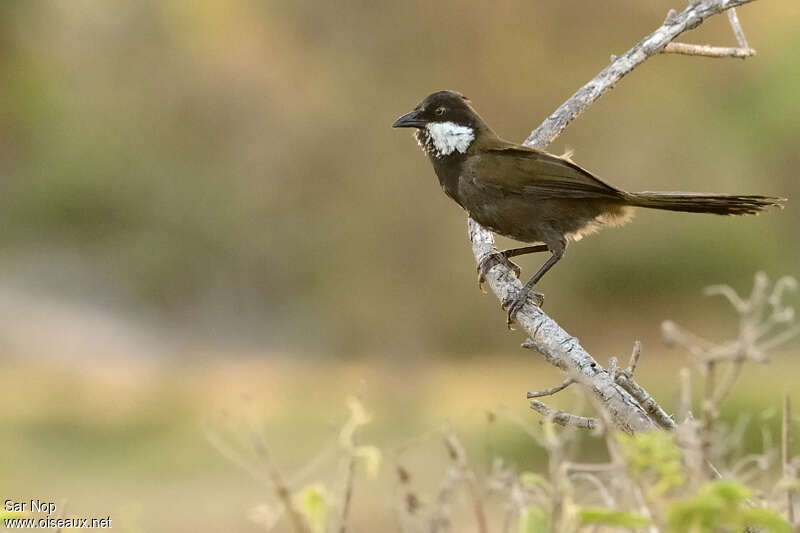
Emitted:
pixel 313 502
pixel 534 520
pixel 612 517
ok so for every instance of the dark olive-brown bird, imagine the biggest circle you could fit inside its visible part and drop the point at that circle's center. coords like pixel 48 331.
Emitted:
pixel 531 195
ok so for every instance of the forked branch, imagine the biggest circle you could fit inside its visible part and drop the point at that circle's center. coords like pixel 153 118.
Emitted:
pixel 548 338
pixel 742 51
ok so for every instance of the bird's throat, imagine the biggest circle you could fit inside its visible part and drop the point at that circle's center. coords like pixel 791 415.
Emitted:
pixel 439 139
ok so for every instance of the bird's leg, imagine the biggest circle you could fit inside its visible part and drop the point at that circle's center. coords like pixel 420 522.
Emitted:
pixel 503 257
pixel 516 302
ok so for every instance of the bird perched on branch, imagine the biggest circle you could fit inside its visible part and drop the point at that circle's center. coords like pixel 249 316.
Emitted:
pixel 533 196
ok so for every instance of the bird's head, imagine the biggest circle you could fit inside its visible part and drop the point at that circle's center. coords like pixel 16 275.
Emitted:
pixel 446 123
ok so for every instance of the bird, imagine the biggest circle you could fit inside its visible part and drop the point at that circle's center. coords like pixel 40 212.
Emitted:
pixel 533 196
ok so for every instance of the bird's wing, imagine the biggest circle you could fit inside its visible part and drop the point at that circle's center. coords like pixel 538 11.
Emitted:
pixel 516 170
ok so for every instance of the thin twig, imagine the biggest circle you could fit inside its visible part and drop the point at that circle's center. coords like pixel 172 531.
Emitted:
pixel 233 455
pixel 733 18
pixel 590 467
pixel 563 418
pixel 742 51
pixel 456 473
pixel 786 454
pixel 649 403
pixel 601 489
pixel 552 390
pixel 348 490
pixel 281 489
pixel 706 50
pixel 709 410
pixel 685 398
pixel 779 339
pixel 725 388
pixel 612 368
pixel 636 353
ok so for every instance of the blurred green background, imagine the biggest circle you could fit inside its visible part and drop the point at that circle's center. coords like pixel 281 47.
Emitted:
pixel 202 202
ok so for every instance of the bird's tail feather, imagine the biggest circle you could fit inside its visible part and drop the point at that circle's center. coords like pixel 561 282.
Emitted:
pixel 718 204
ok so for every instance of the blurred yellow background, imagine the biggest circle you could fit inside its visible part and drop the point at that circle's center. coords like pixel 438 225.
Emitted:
pixel 204 209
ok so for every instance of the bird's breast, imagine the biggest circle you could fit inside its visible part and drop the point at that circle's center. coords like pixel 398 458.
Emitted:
pixel 448 170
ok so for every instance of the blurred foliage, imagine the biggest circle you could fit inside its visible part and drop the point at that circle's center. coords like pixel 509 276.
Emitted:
pixel 313 501
pixel 654 457
pixel 115 437
pixel 229 166
pixel 723 506
pixel 612 517
pixel 227 170
pixel 534 520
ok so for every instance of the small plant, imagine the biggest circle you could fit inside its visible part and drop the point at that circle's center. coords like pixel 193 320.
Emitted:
pixel 311 507
pixel 687 476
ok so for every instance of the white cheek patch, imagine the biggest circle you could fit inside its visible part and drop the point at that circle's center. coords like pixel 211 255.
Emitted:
pixel 449 137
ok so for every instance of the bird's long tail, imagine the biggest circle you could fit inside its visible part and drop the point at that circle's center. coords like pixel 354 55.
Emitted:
pixel 718 204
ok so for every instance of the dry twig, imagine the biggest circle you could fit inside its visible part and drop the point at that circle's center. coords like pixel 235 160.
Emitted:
pixel 760 316
pixel 552 390
pixel 563 418
pixel 786 455
pixel 457 473
pixel 742 51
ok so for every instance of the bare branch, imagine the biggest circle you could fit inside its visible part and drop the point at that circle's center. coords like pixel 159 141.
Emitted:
pixel 600 488
pixel 725 388
pixel 779 339
pixel 742 51
pixel 457 473
pixel 280 487
pixel 649 403
pixel 786 453
pixel 546 336
pixel 727 291
pixel 347 497
pixel 612 368
pixel 685 399
pixel 562 418
pixel 706 50
pixel 636 353
pixel 689 18
pixel 733 18
pixel 552 390
pixel 557 346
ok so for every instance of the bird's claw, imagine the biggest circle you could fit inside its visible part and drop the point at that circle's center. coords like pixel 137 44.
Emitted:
pixel 516 302
pixel 489 261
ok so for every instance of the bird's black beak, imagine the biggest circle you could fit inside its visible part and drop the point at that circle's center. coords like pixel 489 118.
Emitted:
pixel 409 120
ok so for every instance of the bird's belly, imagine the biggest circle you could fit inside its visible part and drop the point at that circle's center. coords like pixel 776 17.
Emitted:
pixel 549 221
pixel 513 218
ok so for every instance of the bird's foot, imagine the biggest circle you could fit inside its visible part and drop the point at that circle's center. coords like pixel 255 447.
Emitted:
pixel 494 258
pixel 515 302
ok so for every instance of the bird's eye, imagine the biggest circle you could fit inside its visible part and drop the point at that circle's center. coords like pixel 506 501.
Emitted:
pixel 440 111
